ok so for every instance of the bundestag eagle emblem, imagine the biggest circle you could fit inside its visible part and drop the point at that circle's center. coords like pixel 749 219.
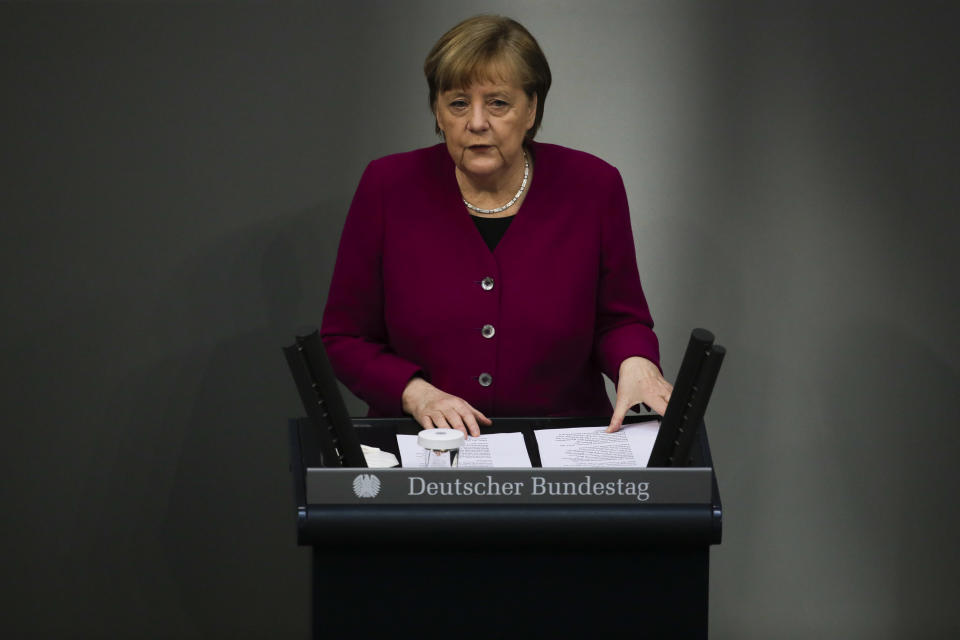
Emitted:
pixel 366 485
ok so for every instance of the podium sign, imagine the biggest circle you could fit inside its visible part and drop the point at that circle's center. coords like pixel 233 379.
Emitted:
pixel 510 486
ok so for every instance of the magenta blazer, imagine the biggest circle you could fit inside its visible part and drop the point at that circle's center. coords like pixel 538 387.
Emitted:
pixel 524 330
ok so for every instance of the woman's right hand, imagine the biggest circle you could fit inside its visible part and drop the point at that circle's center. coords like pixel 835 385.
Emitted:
pixel 433 408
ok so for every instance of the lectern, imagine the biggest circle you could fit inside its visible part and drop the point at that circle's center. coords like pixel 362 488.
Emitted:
pixel 388 560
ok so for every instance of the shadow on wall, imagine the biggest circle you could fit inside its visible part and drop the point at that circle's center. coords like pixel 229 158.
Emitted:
pixel 205 442
pixel 229 534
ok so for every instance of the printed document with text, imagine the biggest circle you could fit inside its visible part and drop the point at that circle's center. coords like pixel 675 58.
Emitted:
pixel 594 447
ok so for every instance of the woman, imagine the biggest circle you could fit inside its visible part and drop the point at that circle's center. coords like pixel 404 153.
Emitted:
pixel 490 274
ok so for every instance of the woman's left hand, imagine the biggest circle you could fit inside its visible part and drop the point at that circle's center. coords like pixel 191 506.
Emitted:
pixel 640 381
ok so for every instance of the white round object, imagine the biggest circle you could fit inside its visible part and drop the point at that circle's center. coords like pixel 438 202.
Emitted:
pixel 440 439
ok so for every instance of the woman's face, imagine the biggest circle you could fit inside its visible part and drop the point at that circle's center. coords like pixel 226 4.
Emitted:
pixel 484 126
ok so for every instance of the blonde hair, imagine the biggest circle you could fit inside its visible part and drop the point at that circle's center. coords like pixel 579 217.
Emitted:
pixel 486 48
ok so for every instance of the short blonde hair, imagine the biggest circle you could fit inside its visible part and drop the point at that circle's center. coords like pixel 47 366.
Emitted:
pixel 488 48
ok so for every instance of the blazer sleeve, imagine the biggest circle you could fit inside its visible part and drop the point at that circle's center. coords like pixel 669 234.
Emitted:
pixel 353 330
pixel 624 325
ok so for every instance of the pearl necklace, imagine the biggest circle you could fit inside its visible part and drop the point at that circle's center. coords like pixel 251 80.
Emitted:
pixel 523 185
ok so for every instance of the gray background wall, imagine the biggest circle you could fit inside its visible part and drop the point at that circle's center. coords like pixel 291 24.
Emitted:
pixel 174 179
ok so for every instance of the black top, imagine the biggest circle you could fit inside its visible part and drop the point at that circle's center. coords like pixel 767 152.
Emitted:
pixel 492 229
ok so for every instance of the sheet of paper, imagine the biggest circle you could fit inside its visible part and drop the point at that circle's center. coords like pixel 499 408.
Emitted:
pixel 593 447
pixel 486 451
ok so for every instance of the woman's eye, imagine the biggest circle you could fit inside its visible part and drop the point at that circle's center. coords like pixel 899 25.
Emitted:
pixel 459 104
pixel 498 104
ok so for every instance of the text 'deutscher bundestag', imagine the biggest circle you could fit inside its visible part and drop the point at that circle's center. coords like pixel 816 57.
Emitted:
pixel 509 486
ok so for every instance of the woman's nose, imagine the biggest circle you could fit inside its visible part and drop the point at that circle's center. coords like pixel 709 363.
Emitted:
pixel 478 118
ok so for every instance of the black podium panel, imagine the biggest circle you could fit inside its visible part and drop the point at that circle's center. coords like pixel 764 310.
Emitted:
pixel 503 571
pixel 615 591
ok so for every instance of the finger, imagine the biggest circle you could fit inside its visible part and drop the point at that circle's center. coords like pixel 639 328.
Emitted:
pixel 440 421
pixel 472 425
pixel 455 421
pixel 619 412
pixel 484 419
pixel 479 415
pixel 658 403
pixel 664 388
pixel 425 422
